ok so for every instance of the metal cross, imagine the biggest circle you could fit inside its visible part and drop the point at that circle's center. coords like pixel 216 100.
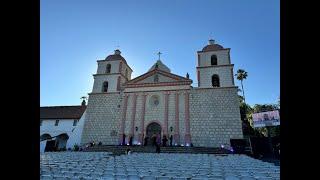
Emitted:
pixel 159 53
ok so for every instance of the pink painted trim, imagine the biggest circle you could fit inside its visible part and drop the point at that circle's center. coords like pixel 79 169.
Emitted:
pixel 216 66
pixel 124 115
pixel 166 99
pixel 164 73
pixel 176 129
pixel 133 113
pixel 158 84
pixel 143 110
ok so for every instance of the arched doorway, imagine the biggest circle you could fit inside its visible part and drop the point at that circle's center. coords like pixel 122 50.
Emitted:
pixel 153 129
pixel 61 141
pixel 44 139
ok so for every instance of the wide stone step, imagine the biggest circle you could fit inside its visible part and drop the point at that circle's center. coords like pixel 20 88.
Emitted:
pixel 117 150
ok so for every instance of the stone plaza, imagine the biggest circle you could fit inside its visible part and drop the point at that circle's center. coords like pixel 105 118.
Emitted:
pixel 152 166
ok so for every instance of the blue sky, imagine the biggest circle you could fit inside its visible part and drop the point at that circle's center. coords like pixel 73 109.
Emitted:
pixel 74 34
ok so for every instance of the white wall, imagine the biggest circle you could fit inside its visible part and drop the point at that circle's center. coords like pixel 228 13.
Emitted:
pixel 224 73
pixel 64 126
pixel 75 136
pixel 100 79
pixel 102 66
pixel 222 57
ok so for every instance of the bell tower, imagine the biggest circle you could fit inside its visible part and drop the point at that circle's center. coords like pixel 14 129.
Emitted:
pixel 214 68
pixel 112 72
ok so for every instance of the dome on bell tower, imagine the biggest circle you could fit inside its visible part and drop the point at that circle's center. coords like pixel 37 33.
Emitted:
pixel 212 46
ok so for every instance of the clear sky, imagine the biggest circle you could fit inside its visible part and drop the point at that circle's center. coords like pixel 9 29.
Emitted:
pixel 75 34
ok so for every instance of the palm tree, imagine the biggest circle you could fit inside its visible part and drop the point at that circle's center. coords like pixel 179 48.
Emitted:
pixel 241 75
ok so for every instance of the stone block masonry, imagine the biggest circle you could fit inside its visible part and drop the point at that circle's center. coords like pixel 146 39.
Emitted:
pixel 214 116
pixel 102 119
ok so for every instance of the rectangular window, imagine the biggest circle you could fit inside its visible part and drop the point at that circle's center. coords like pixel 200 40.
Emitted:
pixel 41 122
pixel 75 122
pixel 56 123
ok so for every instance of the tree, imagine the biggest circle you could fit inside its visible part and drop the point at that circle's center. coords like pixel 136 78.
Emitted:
pixel 241 75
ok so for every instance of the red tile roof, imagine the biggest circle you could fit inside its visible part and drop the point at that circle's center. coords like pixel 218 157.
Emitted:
pixel 212 47
pixel 62 112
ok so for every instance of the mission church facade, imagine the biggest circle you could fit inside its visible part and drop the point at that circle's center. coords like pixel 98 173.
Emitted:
pixel 159 101
pixel 165 103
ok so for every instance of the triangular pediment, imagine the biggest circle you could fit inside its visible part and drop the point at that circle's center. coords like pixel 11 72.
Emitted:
pixel 158 77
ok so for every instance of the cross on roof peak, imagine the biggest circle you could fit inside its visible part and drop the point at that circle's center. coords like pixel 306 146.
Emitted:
pixel 159 53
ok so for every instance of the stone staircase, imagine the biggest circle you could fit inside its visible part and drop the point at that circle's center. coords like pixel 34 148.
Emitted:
pixel 118 150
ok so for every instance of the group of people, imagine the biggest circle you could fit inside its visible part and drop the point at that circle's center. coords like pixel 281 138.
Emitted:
pixel 155 140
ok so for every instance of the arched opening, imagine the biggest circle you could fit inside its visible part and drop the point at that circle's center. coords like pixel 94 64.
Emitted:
pixel 215 80
pixel 214 60
pixel 152 131
pixel 108 69
pixel 105 86
pixel 46 142
pixel 44 137
pixel 61 141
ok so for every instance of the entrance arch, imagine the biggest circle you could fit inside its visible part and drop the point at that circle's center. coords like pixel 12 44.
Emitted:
pixel 61 141
pixel 153 128
pixel 45 137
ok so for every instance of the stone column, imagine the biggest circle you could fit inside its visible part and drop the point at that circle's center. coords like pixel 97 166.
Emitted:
pixel 176 129
pixel 124 116
pixel 166 102
pixel 133 114
pixel 187 119
pixel 143 110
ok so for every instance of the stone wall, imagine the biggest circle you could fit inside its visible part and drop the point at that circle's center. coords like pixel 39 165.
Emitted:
pixel 102 118
pixel 214 116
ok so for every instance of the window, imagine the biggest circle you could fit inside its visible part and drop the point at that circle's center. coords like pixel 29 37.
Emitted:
pixel 56 123
pixel 41 122
pixel 215 81
pixel 154 101
pixel 108 70
pixel 156 78
pixel 126 73
pixel 214 60
pixel 75 122
pixel 105 87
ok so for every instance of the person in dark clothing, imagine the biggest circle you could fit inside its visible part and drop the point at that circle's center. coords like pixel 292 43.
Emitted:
pixel 130 140
pixel 164 141
pixel 123 139
pixel 154 140
pixel 146 141
pixel 171 140
pixel 157 148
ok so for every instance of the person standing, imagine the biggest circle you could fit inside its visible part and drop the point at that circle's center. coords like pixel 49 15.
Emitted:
pixel 171 140
pixel 145 141
pixel 164 141
pixel 154 139
pixel 158 139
